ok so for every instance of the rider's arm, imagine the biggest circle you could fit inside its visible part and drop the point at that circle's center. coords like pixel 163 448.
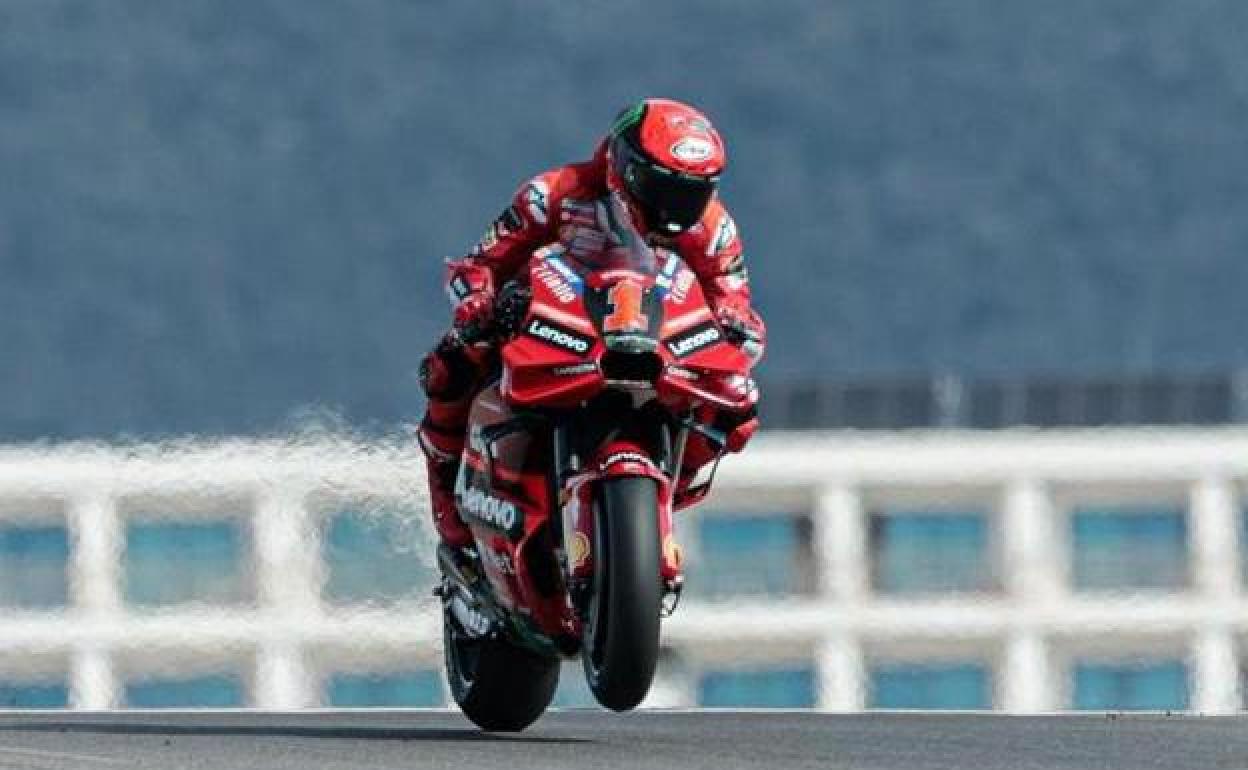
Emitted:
pixel 713 250
pixel 525 225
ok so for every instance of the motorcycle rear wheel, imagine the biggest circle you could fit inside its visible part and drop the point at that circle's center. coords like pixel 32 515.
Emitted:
pixel 621 633
pixel 498 686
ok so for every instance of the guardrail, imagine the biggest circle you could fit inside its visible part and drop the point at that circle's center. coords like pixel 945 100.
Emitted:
pixel 1031 626
pixel 953 401
pixel 1037 623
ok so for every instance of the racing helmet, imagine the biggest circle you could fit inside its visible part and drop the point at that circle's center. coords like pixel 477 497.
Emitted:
pixel 664 159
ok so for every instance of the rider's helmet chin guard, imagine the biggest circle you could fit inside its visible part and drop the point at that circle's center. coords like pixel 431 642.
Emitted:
pixel 664 159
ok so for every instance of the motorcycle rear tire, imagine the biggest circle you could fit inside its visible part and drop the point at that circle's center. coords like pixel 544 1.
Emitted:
pixel 498 686
pixel 621 639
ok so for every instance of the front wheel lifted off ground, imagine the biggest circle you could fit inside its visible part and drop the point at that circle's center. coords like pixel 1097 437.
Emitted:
pixel 621 638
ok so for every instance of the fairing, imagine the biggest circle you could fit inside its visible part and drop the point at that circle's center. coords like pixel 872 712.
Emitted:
pixel 579 315
pixel 603 366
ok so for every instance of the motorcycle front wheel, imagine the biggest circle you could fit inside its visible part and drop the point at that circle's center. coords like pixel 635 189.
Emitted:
pixel 498 686
pixel 621 634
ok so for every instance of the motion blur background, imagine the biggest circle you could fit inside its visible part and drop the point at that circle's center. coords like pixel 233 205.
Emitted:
pixel 227 219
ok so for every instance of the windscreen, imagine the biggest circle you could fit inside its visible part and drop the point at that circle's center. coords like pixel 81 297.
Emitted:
pixel 621 246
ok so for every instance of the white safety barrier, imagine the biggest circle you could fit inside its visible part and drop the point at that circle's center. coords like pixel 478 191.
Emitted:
pixel 1030 629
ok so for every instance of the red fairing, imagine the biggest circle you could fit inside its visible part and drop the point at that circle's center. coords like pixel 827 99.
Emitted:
pixel 553 360
pixel 701 365
pixel 631 320
pixel 509 514
pixel 556 359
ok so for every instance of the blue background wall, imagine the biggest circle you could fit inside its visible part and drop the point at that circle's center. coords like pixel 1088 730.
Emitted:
pixel 215 213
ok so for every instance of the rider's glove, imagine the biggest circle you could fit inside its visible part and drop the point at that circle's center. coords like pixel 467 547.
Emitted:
pixel 743 327
pixel 473 314
pixel 510 307
pixel 471 289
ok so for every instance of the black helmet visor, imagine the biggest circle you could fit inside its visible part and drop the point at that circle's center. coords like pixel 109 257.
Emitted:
pixel 671 201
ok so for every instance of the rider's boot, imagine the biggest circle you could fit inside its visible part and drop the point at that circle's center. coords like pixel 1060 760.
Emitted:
pixel 442 450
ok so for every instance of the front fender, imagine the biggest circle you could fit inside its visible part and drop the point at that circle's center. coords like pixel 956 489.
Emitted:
pixel 615 459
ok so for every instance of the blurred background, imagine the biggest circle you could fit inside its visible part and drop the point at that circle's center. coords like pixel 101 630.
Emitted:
pixel 999 246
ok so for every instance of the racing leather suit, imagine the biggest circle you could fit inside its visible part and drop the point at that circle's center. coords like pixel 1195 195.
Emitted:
pixel 564 205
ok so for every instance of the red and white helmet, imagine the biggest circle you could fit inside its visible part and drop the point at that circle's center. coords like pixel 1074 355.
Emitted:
pixel 664 159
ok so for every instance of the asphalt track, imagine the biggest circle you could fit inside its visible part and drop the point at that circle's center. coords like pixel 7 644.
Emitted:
pixel 584 739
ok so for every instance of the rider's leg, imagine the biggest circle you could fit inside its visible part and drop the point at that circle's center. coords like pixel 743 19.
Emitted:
pixel 449 379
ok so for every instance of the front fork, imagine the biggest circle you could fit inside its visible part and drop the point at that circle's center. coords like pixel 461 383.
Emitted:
pixel 575 481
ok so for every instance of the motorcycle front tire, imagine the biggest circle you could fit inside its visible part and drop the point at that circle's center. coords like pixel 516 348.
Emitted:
pixel 621 637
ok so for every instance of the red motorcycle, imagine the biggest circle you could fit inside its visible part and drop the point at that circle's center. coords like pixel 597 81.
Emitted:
pixel 570 475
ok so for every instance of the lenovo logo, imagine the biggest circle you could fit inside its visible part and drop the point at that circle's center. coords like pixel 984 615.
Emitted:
pixel 554 335
pixel 499 514
pixel 694 341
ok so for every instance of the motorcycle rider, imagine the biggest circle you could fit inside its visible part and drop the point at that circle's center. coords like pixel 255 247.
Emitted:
pixel 659 165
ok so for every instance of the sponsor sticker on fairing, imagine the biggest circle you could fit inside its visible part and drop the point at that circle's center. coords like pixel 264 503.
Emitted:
pixel 670 265
pixel 555 283
pixel 490 510
pixel 624 456
pixel 568 273
pixel 553 334
pixel 682 285
pixel 664 279
pixel 673 554
pixel 699 337
pixel 571 370
pixel 578 550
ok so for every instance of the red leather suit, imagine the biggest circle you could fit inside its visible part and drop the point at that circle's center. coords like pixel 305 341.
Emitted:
pixel 563 205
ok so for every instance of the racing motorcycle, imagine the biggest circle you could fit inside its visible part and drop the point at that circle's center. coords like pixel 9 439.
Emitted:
pixel 570 475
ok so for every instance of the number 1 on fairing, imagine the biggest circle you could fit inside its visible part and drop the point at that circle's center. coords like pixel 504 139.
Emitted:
pixel 626 316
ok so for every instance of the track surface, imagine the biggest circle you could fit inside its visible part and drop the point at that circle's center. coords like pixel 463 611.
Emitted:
pixel 585 740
